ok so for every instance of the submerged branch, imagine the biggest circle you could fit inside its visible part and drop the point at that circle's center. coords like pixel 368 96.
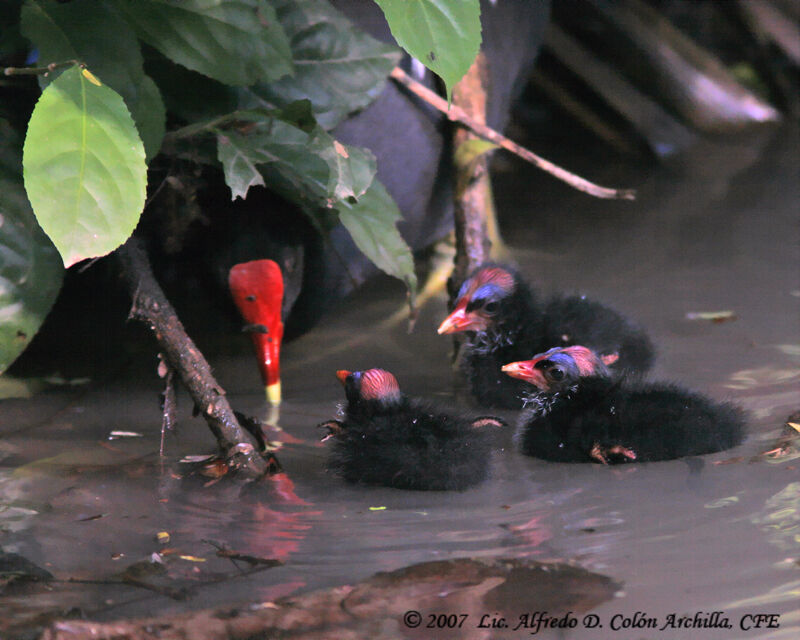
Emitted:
pixel 151 306
pixel 458 115
pixel 370 608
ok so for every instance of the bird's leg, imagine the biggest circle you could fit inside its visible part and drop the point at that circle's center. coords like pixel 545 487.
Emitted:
pixel 597 453
pixel 334 428
pixel 272 464
pixel 619 450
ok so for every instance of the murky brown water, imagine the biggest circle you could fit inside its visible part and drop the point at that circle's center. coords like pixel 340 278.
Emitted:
pixel 717 232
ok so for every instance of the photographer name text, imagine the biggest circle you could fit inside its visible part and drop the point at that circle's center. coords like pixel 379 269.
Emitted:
pixel 535 622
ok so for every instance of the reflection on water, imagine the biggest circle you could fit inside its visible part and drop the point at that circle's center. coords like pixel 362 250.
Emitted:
pixel 680 535
pixel 780 519
pixel 788 592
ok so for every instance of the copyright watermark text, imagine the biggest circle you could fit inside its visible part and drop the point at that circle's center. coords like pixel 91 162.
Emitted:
pixel 535 622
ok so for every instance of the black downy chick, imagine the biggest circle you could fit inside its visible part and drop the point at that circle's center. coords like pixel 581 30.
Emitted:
pixel 390 439
pixel 506 323
pixel 576 412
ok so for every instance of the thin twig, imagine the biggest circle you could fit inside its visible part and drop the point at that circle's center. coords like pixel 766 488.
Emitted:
pixel 38 71
pixel 457 114
pixel 168 400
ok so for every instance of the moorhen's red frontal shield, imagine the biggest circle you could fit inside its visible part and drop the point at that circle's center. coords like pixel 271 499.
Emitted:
pixel 257 290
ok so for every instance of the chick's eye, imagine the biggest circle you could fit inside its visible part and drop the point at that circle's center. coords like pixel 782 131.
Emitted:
pixel 556 374
pixel 490 307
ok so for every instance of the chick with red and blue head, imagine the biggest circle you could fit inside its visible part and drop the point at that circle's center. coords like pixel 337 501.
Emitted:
pixel 576 412
pixel 505 321
pixel 387 438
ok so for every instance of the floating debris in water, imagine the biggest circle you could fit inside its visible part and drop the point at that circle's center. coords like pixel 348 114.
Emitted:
pixel 225 552
pixel 124 434
pixel 711 316
pixel 195 459
pixel 94 517
pixel 192 558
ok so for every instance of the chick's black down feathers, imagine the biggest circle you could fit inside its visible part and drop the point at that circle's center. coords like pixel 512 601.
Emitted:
pixel 576 320
pixel 410 444
pixel 654 421
pixel 511 324
pixel 580 418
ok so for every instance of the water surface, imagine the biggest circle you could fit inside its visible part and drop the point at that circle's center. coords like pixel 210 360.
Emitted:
pixel 716 231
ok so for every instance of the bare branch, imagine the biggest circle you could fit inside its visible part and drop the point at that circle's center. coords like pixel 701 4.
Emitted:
pixel 38 71
pixel 456 114
pixel 151 306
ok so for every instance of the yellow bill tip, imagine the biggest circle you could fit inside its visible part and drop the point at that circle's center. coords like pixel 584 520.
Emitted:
pixel 274 393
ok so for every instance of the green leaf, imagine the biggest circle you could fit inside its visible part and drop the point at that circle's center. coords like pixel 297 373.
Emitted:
pixel 238 42
pixel 445 35
pixel 84 167
pixel 338 67
pixel 282 146
pixel 188 95
pixel 41 22
pixel 371 222
pixel 80 30
pixel 298 159
pixel 30 269
pixel 240 168
pixel 321 170
pixel 150 115
pixel 351 168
